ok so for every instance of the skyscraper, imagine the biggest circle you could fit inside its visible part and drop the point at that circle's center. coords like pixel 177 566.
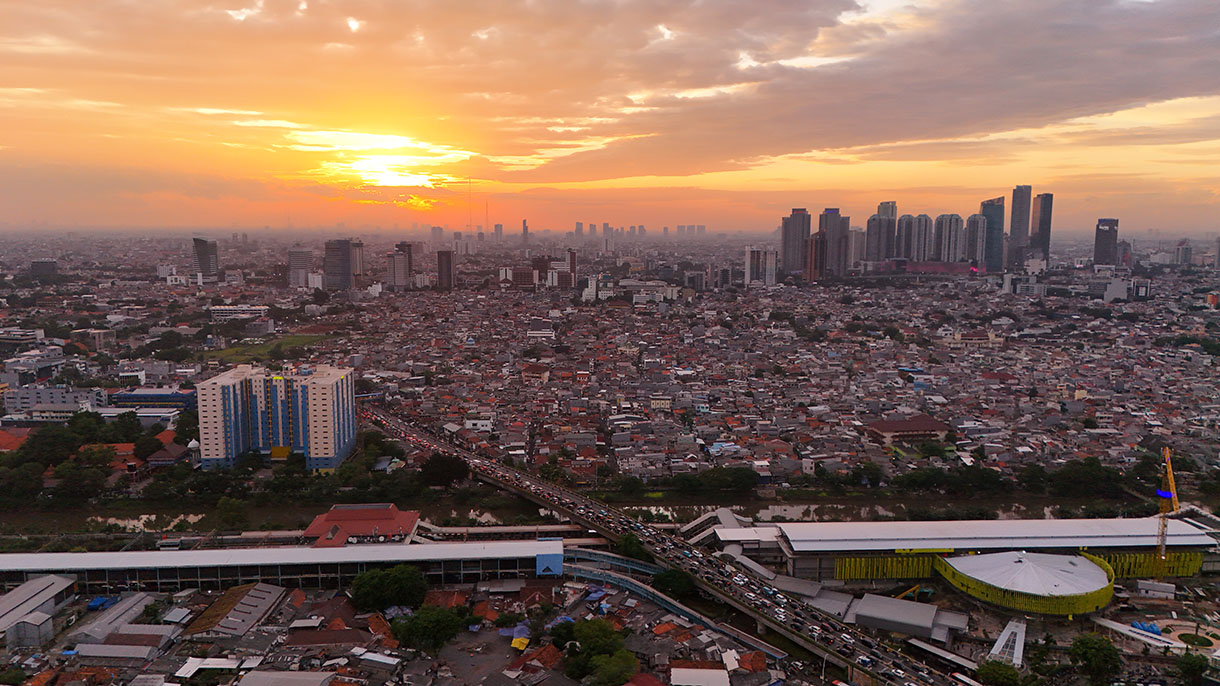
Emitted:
pixel 499 232
pixel 358 270
pixel 887 212
pixel 337 265
pixel 948 242
pixel 1040 227
pixel 976 239
pixel 761 266
pixel 874 240
pixel 248 408
pixel 438 235
pixel 444 269
pixel 525 232
pixel 1018 228
pixel 205 261
pixel 793 245
pixel 580 229
pixel 300 260
pixel 904 237
pixel 399 271
pixel 923 247
pixel 1105 242
pixel 832 246
pixel 993 245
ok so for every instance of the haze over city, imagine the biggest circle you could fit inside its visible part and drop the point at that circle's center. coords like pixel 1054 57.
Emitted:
pixel 253 113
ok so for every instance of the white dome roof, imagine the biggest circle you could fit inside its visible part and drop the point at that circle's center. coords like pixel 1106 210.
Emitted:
pixel 193 445
pixel 1036 573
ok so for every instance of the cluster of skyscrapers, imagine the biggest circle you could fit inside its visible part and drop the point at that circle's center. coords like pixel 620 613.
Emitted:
pixel 978 241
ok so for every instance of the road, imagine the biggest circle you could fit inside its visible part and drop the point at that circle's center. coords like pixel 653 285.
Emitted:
pixel 819 632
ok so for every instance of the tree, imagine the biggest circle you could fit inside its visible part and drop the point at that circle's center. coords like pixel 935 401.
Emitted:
pixel 230 514
pixel 994 673
pixel 377 589
pixel 126 427
pixel 1097 657
pixel 187 427
pixel 78 483
pixel 431 627
pixel 50 445
pixel 1191 667
pixel 614 669
pixel 12 677
pixel 443 469
pixel 594 637
pixel 96 455
pixel 1032 478
pixel 629 485
pixel 631 546
pixel 675 583
pixel 146 445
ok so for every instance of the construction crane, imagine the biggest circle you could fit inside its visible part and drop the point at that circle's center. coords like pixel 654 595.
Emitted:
pixel 1168 495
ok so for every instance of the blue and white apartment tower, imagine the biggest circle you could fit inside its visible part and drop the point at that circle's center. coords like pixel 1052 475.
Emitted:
pixel 309 410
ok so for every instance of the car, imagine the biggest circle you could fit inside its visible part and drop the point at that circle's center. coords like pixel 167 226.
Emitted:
pixel 864 661
pixel 847 638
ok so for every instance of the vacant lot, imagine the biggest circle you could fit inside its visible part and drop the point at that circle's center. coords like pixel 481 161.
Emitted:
pixel 239 354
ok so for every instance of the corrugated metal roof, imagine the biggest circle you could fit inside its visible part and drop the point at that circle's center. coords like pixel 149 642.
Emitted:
pixel 1004 534
pixel 417 552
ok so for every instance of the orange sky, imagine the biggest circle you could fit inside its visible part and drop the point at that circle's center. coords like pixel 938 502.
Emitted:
pixel 311 112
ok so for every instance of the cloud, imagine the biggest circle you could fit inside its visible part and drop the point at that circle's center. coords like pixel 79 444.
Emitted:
pixel 522 93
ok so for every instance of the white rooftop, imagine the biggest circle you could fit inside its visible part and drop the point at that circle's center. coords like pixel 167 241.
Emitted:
pixel 392 553
pixel 1037 573
pixel 996 534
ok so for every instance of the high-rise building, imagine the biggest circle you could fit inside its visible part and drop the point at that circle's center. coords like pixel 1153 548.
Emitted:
pixel 887 213
pixel 874 240
pixel 1183 253
pixel 976 239
pixel 444 269
pixel 761 266
pixel 572 265
pixel 830 251
pixel 438 235
pixel 399 270
pixel 794 242
pixel 311 410
pixel 993 245
pixel 1105 242
pixel 580 229
pixel 923 246
pixel 300 261
pixel 205 261
pixel 499 232
pixel 857 243
pixel 1040 227
pixel 949 238
pixel 1018 228
pixel 45 266
pixel 337 265
pixel 904 237
pixel 358 270
pixel 525 232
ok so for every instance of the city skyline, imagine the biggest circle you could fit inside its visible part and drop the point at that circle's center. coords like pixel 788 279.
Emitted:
pixel 270 113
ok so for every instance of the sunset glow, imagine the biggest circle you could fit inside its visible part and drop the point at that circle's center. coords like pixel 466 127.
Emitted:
pixel 723 113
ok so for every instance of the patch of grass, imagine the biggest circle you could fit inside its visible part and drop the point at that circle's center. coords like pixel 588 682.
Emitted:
pixel 1195 640
pixel 240 354
pixel 655 495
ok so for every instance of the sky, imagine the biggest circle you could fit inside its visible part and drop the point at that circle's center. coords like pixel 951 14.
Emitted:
pixel 189 113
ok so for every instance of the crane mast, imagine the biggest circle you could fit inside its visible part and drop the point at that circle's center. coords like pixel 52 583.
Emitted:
pixel 1168 495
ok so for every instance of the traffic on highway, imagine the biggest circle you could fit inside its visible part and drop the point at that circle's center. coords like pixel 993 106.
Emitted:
pixel 748 589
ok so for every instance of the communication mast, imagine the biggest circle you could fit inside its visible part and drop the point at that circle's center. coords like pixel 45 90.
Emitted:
pixel 1168 495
